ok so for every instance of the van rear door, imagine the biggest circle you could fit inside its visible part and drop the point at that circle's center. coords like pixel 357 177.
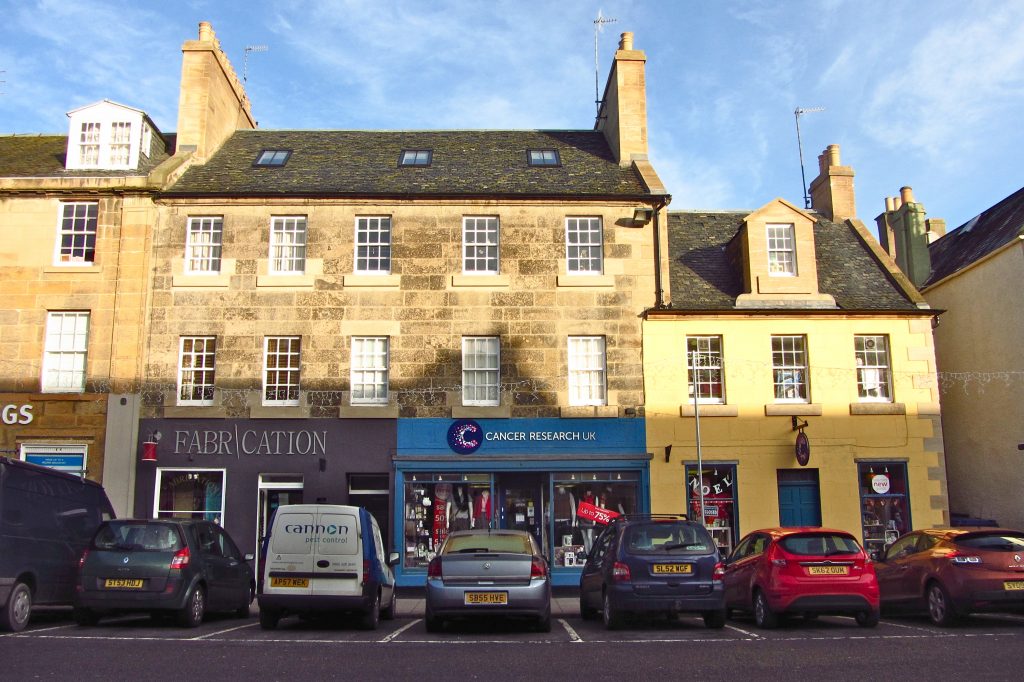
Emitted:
pixel 289 562
pixel 339 558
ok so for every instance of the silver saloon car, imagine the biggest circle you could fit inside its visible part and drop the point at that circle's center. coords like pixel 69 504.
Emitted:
pixel 489 573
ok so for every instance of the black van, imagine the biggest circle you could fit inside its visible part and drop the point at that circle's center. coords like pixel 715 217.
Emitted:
pixel 47 519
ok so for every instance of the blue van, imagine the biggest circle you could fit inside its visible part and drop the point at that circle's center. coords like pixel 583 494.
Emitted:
pixel 47 519
pixel 320 558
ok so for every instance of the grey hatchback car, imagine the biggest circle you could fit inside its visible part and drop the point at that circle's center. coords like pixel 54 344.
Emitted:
pixel 493 573
pixel 174 567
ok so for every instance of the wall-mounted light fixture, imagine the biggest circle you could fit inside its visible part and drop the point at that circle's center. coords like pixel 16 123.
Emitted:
pixel 668 453
pixel 643 215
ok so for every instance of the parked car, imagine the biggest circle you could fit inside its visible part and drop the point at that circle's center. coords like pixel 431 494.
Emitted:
pixel 492 573
pixel 952 572
pixel 325 558
pixel 652 564
pixel 178 567
pixel 807 571
pixel 47 519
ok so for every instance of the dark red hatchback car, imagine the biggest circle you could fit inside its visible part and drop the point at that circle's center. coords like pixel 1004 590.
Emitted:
pixel 806 571
pixel 951 572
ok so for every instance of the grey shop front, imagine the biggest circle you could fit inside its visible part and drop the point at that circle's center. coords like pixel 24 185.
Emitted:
pixel 238 471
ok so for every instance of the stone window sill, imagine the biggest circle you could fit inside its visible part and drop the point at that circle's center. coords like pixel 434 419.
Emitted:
pixel 73 269
pixel 284 281
pixel 603 281
pixel 205 281
pixel 792 410
pixel 877 408
pixel 710 410
pixel 381 281
pixel 493 281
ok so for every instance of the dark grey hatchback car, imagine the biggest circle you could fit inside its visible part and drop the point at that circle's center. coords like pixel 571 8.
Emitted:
pixel 166 567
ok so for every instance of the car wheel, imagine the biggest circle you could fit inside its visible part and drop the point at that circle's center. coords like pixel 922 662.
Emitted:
pixel 544 622
pixel 587 612
pixel 243 610
pixel 371 619
pixel 16 612
pixel 940 606
pixel 388 612
pixel 612 618
pixel 714 619
pixel 810 616
pixel 269 618
pixel 86 616
pixel 867 619
pixel 763 614
pixel 433 623
pixel 195 608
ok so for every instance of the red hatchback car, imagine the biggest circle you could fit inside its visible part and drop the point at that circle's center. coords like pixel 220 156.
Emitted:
pixel 952 572
pixel 807 571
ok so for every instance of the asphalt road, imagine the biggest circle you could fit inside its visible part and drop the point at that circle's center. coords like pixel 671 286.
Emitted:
pixel 136 648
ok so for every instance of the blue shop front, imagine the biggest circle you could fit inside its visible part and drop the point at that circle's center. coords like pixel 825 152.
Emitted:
pixel 526 474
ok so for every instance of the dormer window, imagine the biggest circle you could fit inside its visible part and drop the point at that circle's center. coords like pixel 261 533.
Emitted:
pixel 781 250
pixel 89 145
pixel 273 157
pixel 543 157
pixel 416 157
pixel 106 135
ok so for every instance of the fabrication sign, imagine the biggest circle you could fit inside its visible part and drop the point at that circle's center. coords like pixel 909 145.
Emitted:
pixel 244 438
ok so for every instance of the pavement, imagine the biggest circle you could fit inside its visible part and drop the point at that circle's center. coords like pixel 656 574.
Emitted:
pixel 412 602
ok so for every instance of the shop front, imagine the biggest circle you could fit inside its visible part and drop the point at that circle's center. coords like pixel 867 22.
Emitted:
pixel 236 472
pixel 525 474
pixel 62 431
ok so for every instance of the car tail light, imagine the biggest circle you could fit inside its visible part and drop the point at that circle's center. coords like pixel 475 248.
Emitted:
pixel 959 557
pixel 81 559
pixel 776 557
pixel 538 569
pixel 434 568
pixel 719 573
pixel 180 559
pixel 366 570
pixel 620 572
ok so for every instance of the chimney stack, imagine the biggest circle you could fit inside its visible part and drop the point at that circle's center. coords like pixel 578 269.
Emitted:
pixel 622 116
pixel 905 235
pixel 832 191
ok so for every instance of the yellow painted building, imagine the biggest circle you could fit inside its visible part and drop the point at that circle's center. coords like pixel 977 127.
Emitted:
pixel 789 322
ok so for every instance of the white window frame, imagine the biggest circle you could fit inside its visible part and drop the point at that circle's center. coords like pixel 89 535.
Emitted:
pixel 781 243
pixel 874 368
pixel 204 245
pixel 708 349
pixel 588 376
pixel 369 370
pixel 481 370
pixel 372 250
pixel 285 376
pixel 584 243
pixel 287 245
pixel 162 471
pixel 65 354
pixel 790 369
pixel 120 144
pixel 481 245
pixel 90 144
pixel 79 225
pixel 191 366
pixel 38 450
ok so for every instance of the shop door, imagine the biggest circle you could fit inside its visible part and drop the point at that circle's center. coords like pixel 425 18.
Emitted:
pixel 274 493
pixel 799 497
pixel 521 503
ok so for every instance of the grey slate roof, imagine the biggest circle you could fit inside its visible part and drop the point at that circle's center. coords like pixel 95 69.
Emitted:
pixel 43 156
pixel 978 237
pixel 705 275
pixel 365 163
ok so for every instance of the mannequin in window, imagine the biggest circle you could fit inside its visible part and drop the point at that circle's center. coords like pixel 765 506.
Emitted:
pixel 442 497
pixel 461 511
pixel 481 514
pixel 565 513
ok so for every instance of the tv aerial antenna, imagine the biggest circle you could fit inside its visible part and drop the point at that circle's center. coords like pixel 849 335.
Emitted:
pixel 245 60
pixel 797 113
pixel 598 27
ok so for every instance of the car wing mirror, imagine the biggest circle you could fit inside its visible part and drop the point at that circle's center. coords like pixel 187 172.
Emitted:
pixel 250 556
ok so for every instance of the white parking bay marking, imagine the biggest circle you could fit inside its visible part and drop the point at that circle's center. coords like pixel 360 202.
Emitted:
pixel 913 627
pixel 748 634
pixel 399 631
pixel 221 632
pixel 573 636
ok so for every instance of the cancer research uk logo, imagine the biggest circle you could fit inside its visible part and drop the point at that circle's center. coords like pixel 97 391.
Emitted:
pixel 465 436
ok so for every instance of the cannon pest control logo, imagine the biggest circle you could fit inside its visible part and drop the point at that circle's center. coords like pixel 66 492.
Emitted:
pixel 465 436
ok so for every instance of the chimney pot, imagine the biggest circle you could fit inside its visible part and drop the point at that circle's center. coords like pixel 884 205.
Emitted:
pixel 205 31
pixel 626 41
pixel 833 155
pixel 890 204
pixel 906 195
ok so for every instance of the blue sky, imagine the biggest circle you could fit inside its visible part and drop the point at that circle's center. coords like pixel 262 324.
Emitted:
pixel 922 93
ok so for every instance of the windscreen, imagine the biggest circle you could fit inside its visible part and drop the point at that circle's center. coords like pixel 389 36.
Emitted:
pixel 820 544
pixel 660 538
pixel 491 542
pixel 997 541
pixel 148 537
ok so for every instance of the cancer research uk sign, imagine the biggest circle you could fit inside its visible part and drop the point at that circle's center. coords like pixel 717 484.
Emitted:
pixel 520 436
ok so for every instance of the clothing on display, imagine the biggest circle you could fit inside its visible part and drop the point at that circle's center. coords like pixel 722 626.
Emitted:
pixel 461 510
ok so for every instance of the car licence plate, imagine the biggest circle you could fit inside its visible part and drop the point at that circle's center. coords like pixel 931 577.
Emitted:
pixel 492 598
pixel 122 582
pixel 1013 585
pixel 828 570
pixel 672 568
pixel 289 582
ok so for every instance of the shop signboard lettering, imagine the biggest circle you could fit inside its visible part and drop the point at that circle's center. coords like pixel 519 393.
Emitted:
pixel 465 436
pixel 235 442
pixel 592 512
pixel 16 414
pixel 880 484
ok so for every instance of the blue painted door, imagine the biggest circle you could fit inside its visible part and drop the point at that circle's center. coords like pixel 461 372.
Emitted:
pixel 799 499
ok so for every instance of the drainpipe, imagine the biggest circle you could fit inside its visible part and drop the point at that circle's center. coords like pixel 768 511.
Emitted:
pixel 659 291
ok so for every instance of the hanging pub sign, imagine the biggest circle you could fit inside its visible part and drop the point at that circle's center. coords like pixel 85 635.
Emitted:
pixel 803 449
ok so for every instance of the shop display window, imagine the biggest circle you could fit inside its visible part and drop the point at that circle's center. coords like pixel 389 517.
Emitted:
pixel 884 502
pixel 190 494
pixel 614 491
pixel 719 487
pixel 436 504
